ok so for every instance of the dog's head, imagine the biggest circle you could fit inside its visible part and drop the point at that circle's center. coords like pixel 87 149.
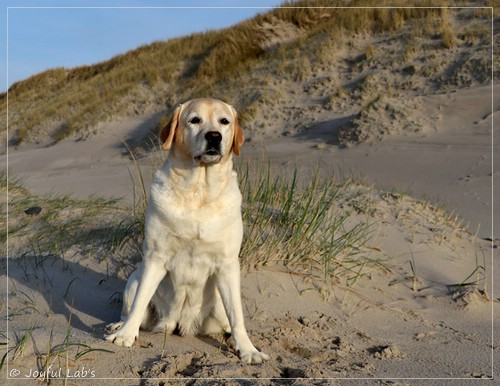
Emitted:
pixel 205 130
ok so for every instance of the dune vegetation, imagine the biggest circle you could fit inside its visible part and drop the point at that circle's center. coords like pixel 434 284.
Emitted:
pixel 249 63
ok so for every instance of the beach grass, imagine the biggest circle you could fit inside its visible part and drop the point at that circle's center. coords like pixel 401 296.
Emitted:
pixel 306 222
pixel 287 222
pixel 64 227
pixel 295 222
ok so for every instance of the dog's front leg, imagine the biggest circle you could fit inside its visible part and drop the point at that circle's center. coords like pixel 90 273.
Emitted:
pixel 150 277
pixel 228 283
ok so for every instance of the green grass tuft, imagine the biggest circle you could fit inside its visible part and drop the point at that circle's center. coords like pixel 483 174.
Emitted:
pixel 298 225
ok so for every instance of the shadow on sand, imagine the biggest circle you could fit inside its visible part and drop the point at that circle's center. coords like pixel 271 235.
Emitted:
pixel 71 289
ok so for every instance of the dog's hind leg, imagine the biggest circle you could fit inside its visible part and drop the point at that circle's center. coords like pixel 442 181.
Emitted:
pixel 214 315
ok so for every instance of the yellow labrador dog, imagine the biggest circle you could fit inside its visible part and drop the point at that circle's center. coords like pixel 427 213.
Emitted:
pixel 189 278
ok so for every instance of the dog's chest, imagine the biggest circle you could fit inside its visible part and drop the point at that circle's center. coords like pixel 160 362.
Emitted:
pixel 197 226
pixel 189 232
pixel 191 216
pixel 191 268
pixel 196 241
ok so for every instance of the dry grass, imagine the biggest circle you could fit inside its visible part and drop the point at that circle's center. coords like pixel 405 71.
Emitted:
pixel 62 102
pixel 447 33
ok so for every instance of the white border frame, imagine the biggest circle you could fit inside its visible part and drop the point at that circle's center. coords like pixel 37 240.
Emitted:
pixel 7 361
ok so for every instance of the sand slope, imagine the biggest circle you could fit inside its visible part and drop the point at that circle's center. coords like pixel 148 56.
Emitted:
pixel 405 317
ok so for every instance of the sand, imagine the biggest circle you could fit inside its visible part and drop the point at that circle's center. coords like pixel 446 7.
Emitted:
pixel 402 323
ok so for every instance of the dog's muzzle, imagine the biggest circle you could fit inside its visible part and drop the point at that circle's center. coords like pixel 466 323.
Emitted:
pixel 212 153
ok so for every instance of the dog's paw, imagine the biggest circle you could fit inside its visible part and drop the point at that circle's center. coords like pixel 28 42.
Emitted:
pixel 112 327
pixel 253 357
pixel 121 338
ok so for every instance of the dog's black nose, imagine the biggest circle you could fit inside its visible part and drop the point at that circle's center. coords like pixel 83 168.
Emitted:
pixel 213 137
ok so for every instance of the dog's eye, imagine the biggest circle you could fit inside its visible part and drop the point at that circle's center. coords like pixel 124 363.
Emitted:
pixel 224 121
pixel 195 120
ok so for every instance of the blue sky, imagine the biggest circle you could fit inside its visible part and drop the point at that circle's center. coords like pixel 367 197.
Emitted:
pixel 37 35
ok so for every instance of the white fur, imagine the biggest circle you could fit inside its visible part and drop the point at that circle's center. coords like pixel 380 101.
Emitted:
pixel 189 277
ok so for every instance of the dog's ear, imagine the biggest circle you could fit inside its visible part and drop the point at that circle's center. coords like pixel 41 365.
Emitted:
pixel 239 137
pixel 168 131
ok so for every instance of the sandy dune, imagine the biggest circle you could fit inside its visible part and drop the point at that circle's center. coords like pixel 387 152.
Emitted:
pixel 404 320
